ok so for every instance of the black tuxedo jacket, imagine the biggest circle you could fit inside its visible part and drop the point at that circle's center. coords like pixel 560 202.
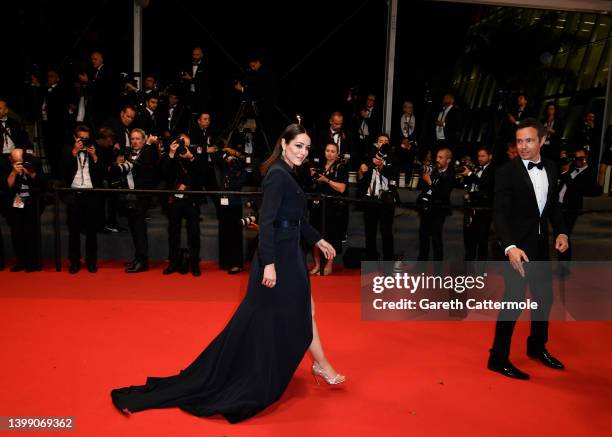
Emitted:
pixel 485 184
pixel 441 187
pixel 180 123
pixel 70 164
pixel 57 99
pixel 103 92
pixel 324 137
pixel 16 132
pixel 452 125
pixel 148 122
pixel 201 80
pixel 585 184
pixel 516 217
pixel 389 171
pixel 119 131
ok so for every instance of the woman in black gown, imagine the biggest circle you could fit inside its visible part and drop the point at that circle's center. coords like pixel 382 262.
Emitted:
pixel 249 364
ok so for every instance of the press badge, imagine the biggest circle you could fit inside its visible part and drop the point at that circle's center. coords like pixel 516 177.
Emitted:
pixel 224 201
pixel 248 159
pixel 199 150
pixel 392 182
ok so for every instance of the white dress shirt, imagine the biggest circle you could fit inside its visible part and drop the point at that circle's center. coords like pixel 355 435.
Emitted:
pixel 82 178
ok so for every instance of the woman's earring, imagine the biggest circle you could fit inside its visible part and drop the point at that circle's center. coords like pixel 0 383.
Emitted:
pixel 283 153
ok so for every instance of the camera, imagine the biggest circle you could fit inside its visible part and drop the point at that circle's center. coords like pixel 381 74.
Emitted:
pixel 28 162
pixel 423 168
pixel 85 142
pixel 182 148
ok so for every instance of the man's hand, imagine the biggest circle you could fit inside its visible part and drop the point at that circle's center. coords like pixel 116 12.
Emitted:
pixel 426 178
pixel 269 276
pixel 511 118
pixel 187 154
pixel 186 76
pixel 327 249
pixel 517 257
pixel 465 172
pixel 152 139
pixel 238 86
pixel 76 148
pixel 562 243
pixel 172 150
pixel 91 151
pixel 18 167
pixel 212 149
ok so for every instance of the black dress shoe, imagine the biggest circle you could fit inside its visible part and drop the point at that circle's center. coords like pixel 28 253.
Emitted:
pixel 195 270
pixel 547 359
pixel 137 267
pixel 170 269
pixel 234 270
pixel 129 263
pixel 507 369
pixel 17 267
pixel 74 268
pixel 92 268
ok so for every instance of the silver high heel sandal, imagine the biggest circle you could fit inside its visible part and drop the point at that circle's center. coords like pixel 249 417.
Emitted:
pixel 317 371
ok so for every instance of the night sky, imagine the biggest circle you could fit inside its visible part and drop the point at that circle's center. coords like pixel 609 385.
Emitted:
pixel 317 50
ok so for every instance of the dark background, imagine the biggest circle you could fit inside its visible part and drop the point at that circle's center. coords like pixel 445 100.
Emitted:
pixel 317 50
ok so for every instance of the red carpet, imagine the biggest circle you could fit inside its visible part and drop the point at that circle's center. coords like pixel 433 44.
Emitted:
pixel 68 340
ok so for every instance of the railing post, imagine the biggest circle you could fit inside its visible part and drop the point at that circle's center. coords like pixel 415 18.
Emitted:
pixel 56 232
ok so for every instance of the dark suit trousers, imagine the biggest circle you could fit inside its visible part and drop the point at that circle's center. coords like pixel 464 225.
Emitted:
pixel 230 236
pixel 431 228
pixel 137 222
pixel 178 210
pixel 539 278
pixel 570 218
pixel 376 215
pixel 83 215
pixel 25 235
pixel 476 236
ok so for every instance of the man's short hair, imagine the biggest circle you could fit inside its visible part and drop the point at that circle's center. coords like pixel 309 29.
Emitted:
pixel 583 150
pixel 450 152
pixel 81 128
pixel 483 148
pixel 126 107
pixel 151 96
pixel 534 123
pixel 138 131
pixel 104 133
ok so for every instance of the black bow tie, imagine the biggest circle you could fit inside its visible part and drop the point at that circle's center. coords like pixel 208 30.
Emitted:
pixel 539 165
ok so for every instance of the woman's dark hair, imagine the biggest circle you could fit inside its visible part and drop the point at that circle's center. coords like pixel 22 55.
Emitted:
pixel 289 134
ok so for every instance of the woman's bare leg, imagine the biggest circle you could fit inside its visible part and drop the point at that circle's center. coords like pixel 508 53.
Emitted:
pixel 316 348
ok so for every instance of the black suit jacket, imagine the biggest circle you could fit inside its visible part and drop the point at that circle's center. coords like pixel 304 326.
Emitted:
pixel 148 122
pixel 180 122
pixel 70 164
pixel 16 132
pixel 516 217
pixel 103 92
pixel 452 125
pixel 441 187
pixel 119 131
pixel 582 185
pixel 486 185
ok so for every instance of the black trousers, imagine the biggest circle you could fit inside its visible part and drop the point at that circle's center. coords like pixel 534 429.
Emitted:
pixel 83 216
pixel 377 215
pixel 230 236
pixel 137 223
pixel 570 218
pixel 25 235
pixel 430 228
pixel 538 276
pixel 54 137
pixel 188 210
pixel 476 227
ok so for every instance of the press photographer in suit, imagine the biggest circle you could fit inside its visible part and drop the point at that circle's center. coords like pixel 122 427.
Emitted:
pixel 526 199
pixel 434 204
pixel 378 179
pixel 137 170
pixel 22 185
pixel 82 167
pixel 180 169
pixel 577 180
pixel 478 183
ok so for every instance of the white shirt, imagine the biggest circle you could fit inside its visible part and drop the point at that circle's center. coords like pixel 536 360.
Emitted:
pixel 194 69
pixel 43 111
pixel 7 143
pixel 364 131
pixel 377 184
pixel 407 124
pixel 82 178
pixel 442 117
pixel 81 111
pixel 336 137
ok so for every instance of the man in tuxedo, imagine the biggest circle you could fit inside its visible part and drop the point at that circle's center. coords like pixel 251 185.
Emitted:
pixel 477 222
pixel 197 83
pixel 174 116
pixel 526 198
pixel 447 124
pixel 207 153
pixel 378 179
pixel 407 138
pixel 12 133
pixel 335 133
pixel 434 205
pixel 368 124
pixel 137 169
pixel 52 102
pixel 102 89
pixel 147 118
pixel 82 168
pixel 576 181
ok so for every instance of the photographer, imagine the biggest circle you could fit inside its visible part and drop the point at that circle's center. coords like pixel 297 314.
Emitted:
pixel 407 137
pixel 378 180
pixel 331 180
pixel 434 204
pixel 208 154
pixel 174 116
pixel 577 180
pixel 83 168
pixel 147 118
pixel 22 185
pixel 196 81
pixel 180 169
pixel 136 168
pixel 233 175
pixel 478 183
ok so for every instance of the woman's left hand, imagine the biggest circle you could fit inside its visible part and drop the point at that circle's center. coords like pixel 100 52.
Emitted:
pixel 327 249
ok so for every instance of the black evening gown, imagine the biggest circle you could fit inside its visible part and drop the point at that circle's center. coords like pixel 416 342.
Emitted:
pixel 250 363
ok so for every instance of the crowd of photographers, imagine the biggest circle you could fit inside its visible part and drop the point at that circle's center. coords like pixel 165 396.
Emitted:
pixel 105 132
